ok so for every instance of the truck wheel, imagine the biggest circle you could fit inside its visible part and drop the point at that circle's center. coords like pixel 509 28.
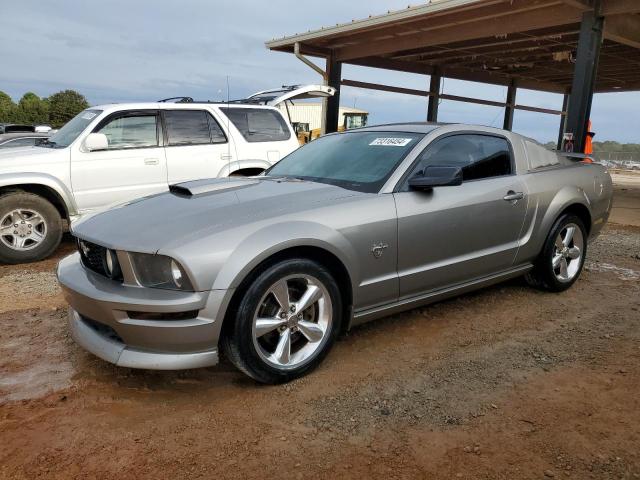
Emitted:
pixel 559 264
pixel 30 228
pixel 286 322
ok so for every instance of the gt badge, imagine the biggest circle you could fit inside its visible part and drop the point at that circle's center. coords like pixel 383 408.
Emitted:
pixel 378 249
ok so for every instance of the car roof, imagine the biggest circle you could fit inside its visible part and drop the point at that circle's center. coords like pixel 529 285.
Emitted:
pixel 115 107
pixel 428 127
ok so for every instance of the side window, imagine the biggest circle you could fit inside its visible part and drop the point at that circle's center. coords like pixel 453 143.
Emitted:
pixel 192 127
pixel 259 124
pixel 479 156
pixel 131 131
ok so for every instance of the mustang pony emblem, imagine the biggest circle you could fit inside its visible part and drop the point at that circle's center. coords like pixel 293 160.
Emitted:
pixel 378 249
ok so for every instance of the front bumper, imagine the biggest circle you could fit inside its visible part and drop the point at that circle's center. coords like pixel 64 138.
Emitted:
pixel 100 322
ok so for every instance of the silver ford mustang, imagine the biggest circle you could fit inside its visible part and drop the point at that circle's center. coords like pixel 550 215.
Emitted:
pixel 351 227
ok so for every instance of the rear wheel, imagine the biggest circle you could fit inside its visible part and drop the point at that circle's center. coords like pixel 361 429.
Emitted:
pixel 286 322
pixel 30 228
pixel 562 258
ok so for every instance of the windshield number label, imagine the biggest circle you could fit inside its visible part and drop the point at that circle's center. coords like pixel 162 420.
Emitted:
pixel 391 142
pixel 88 116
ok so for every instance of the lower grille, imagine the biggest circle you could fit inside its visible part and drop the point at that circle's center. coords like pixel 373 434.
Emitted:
pixel 102 329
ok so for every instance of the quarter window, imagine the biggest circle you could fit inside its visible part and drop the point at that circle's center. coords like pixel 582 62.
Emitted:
pixel 479 156
pixel 258 124
pixel 132 131
pixel 192 127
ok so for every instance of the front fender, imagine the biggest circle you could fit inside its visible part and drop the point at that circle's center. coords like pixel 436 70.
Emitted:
pixel 46 180
pixel 277 237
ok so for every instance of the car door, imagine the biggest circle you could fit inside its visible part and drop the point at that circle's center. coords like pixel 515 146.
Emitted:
pixel 454 234
pixel 196 145
pixel 132 166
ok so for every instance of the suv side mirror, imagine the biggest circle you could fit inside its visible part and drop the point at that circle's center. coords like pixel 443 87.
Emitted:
pixel 96 141
pixel 435 176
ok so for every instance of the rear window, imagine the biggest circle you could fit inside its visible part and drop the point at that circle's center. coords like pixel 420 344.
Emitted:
pixel 192 127
pixel 258 124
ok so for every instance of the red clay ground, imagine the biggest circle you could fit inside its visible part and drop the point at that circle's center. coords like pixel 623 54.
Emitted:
pixel 505 383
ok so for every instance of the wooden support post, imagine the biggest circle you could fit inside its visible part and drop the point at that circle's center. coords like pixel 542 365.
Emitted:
pixel 563 120
pixel 434 99
pixel 334 74
pixel 510 108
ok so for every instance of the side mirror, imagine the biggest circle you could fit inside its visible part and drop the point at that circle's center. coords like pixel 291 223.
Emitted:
pixel 96 141
pixel 436 177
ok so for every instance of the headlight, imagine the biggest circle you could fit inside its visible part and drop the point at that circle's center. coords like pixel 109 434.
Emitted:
pixel 176 274
pixel 160 271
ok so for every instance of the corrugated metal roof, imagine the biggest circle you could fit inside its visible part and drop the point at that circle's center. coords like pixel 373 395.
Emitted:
pixel 372 21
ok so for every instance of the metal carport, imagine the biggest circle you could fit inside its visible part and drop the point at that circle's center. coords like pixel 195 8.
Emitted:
pixel 573 47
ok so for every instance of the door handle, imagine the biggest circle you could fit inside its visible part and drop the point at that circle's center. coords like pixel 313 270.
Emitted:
pixel 512 196
pixel 151 161
pixel 225 156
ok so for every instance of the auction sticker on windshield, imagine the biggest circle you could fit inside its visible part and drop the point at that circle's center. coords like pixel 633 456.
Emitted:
pixel 391 142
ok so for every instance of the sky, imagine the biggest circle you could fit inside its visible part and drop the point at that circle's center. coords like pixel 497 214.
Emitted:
pixel 143 50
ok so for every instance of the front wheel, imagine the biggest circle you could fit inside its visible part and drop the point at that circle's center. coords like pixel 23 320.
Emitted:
pixel 286 322
pixel 560 263
pixel 30 227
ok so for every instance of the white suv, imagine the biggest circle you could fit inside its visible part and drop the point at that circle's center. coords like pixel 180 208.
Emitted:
pixel 114 153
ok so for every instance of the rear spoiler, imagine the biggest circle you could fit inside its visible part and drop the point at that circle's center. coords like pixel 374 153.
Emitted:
pixel 581 157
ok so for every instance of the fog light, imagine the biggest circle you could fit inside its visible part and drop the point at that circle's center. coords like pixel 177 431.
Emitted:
pixel 111 265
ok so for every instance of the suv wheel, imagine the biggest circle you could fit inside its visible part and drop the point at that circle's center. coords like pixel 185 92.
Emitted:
pixel 560 263
pixel 286 322
pixel 30 228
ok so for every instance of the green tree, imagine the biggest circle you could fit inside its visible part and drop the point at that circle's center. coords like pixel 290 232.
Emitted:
pixel 7 108
pixel 32 109
pixel 65 105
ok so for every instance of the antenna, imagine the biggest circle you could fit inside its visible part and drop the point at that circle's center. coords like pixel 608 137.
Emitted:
pixel 229 134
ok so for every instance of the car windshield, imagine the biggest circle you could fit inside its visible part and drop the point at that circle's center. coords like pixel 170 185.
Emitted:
pixel 70 131
pixel 361 161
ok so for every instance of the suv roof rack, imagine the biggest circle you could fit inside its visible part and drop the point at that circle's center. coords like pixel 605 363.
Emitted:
pixel 177 100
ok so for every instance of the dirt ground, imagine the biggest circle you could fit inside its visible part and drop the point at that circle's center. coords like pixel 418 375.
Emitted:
pixel 504 383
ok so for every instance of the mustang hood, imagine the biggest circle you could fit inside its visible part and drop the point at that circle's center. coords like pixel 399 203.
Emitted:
pixel 196 209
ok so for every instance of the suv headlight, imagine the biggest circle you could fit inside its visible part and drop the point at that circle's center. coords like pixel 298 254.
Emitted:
pixel 160 271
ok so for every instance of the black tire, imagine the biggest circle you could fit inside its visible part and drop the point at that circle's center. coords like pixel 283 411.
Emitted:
pixel 52 220
pixel 237 341
pixel 543 276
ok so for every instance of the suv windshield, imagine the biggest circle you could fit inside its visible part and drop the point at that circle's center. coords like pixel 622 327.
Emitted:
pixel 70 131
pixel 361 161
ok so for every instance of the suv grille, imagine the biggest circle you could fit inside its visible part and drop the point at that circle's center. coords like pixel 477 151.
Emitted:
pixel 92 256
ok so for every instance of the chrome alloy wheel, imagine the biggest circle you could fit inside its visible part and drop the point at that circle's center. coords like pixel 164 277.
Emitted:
pixel 292 322
pixel 567 252
pixel 22 229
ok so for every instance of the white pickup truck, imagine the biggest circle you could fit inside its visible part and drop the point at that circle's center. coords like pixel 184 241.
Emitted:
pixel 114 153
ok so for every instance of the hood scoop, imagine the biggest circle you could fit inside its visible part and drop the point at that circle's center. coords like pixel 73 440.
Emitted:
pixel 210 185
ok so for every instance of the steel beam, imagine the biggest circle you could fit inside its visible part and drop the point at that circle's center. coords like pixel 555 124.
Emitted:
pixel 444 96
pixel 334 73
pixel 584 75
pixel 509 109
